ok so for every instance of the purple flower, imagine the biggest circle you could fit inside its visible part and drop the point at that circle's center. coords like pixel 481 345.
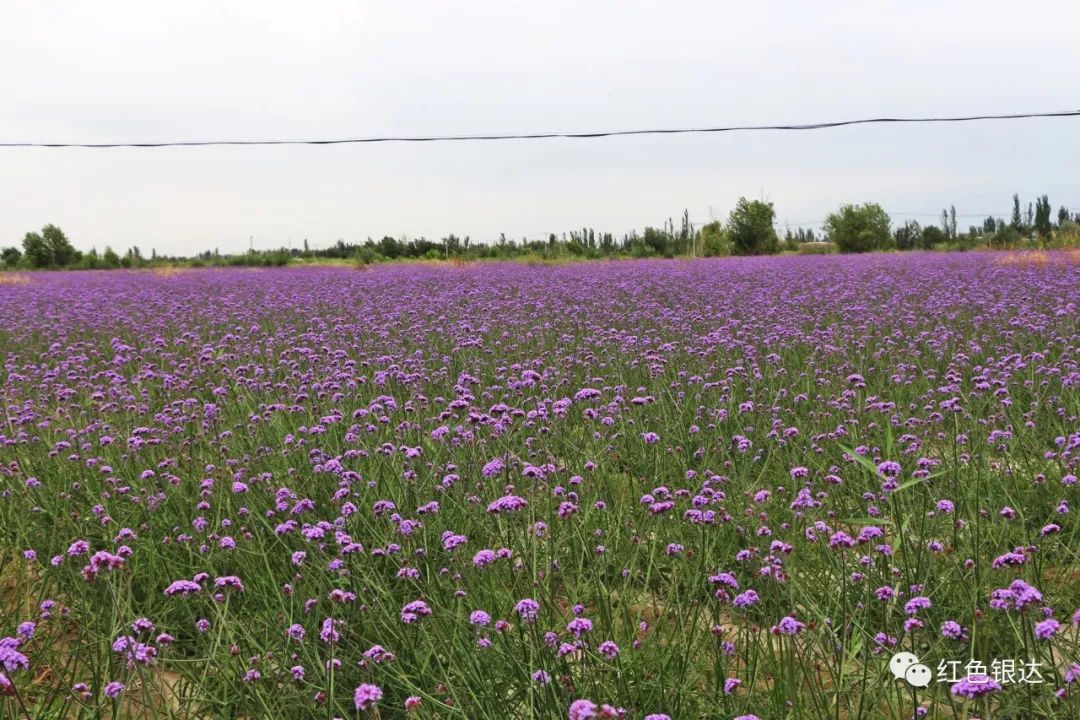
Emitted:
pixel 113 689
pixel 507 503
pixel 330 632
pixel 582 710
pixel 915 604
pixel 841 539
pixel 229 581
pixel 79 547
pixel 452 540
pixel 889 468
pixel 745 599
pixel 484 558
pixel 142 625
pixel 725 578
pixel 10 658
pixel 579 626
pixel 951 629
pixel 789 626
pixel 378 654
pixel 1018 595
pixel 134 651
pixel 1047 628
pixel 974 686
pixel 527 609
pixel 608 649
pixel 1072 673
pixel 1009 558
pixel 182 587
pixel 339 596
pixel 366 696
pixel 414 610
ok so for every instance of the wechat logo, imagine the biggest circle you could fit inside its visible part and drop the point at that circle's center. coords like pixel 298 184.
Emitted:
pixel 905 666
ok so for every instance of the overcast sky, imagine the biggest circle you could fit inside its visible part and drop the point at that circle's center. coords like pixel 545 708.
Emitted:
pixel 148 71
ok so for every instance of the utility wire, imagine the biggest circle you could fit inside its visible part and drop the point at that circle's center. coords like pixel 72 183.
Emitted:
pixel 545 135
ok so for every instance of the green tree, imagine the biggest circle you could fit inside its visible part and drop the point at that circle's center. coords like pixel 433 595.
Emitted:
pixel 1015 221
pixel 657 242
pixel 859 228
pixel 932 235
pixel 109 258
pixel 452 245
pixel 791 240
pixel 37 251
pixel 1043 224
pixel 907 236
pixel 10 256
pixel 1006 236
pixel 90 260
pixel 389 247
pixel 714 240
pixel 751 229
pixel 63 253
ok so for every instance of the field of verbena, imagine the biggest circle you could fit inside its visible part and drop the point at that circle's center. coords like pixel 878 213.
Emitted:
pixel 702 489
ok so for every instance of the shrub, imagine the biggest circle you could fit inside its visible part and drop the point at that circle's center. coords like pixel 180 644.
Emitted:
pixel 1067 235
pixel 1005 236
pixel 932 235
pixel 10 256
pixel 859 228
pixel 715 240
pixel 366 256
pixel 818 248
pixel 751 229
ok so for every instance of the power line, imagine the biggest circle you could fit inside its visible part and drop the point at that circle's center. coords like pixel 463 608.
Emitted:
pixel 546 135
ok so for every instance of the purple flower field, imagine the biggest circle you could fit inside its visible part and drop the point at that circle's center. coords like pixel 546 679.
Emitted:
pixel 727 488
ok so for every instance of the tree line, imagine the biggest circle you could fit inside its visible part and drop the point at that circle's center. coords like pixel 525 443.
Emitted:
pixel 750 229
